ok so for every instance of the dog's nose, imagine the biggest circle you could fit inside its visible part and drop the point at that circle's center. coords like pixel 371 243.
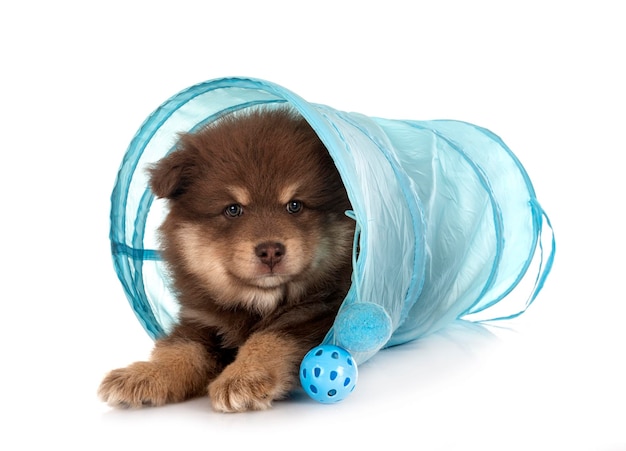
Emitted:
pixel 270 253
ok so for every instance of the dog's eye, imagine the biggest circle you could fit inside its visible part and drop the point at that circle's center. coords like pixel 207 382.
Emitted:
pixel 233 211
pixel 294 206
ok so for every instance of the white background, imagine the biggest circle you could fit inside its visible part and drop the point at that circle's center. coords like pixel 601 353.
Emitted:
pixel 78 79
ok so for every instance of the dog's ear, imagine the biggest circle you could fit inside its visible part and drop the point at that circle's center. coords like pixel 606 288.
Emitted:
pixel 172 175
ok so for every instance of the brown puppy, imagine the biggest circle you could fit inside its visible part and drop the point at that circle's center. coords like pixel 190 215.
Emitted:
pixel 259 250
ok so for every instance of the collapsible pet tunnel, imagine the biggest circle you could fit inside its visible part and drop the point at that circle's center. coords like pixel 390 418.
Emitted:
pixel 447 220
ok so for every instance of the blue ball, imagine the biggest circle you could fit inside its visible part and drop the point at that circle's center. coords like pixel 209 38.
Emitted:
pixel 328 373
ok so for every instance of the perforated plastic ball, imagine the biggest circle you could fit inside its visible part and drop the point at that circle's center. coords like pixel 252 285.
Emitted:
pixel 328 373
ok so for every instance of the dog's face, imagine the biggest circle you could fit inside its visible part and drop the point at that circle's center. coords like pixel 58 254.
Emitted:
pixel 256 210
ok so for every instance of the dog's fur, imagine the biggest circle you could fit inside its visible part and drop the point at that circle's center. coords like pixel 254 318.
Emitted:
pixel 259 251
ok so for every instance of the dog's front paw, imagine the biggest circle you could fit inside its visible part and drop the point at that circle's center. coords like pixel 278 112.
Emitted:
pixel 140 384
pixel 241 388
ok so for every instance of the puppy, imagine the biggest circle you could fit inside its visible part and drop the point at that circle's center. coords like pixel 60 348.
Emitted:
pixel 259 250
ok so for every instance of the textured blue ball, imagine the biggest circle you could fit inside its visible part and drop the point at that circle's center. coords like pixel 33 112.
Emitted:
pixel 363 327
pixel 328 373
